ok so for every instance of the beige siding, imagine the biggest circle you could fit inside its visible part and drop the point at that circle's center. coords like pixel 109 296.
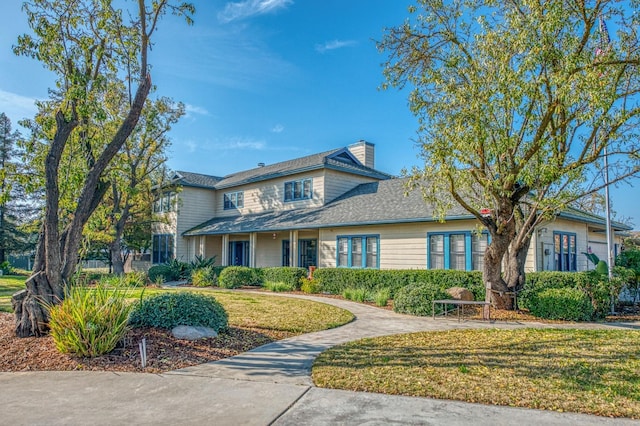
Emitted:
pixel 269 196
pixel 269 251
pixel 213 247
pixel 195 206
pixel 402 246
pixel 338 183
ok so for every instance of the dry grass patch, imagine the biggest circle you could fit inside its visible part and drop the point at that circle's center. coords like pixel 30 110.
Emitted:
pixel 587 371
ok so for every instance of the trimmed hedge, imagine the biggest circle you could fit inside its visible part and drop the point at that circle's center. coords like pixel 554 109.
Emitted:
pixel 336 280
pixel 417 299
pixel 164 271
pixel 569 304
pixel 285 274
pixel 238 276
pixel 169 310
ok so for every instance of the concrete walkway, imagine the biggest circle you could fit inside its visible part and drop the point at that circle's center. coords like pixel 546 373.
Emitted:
pixel 268 385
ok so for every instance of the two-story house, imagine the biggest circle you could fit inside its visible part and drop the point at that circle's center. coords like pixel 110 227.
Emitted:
pixel 334 209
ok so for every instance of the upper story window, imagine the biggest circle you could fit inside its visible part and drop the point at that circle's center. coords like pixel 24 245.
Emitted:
pixel 358 251
pixel 301 189
pixel 234 200
pixel 564 251
pixel 165 202
pixel 456 250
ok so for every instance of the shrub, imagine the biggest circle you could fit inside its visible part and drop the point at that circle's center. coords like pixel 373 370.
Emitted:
pixel 169 310
pixel 135 279
pixel 6 268
pixel 381 297
pixel 201 262
pixel 278 286
pixel 179 270
pixel 286 274
pixel 310 285
pixel 237 276
pixel 417 299
pixel 89 322
pixel 203 277
pixel 336 280
pixel 562 303
pixel 161 272
pixel 355 294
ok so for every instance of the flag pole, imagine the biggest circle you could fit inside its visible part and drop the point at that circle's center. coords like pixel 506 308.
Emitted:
pixel 610 259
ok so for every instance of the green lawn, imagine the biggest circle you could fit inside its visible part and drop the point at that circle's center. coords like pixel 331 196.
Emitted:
pixel 9 284
pixel 588 371
pixel 285 316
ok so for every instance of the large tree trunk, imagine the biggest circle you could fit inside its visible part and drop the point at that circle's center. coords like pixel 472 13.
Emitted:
pixel 57 256
pixel 117 259
pixel 495 286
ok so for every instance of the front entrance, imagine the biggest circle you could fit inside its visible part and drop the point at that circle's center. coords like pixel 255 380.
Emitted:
pixel 286 251
pixel 308 253
pixel 239 253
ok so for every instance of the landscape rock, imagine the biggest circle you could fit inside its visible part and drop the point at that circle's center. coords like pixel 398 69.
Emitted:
pixel 186 332
pixel 460 293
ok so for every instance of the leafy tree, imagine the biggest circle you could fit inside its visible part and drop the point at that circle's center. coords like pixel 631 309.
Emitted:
pixel 128 203
pixel 94 49
pixel 517 101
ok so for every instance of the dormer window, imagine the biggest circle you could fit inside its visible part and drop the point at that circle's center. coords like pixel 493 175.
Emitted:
pixel 301 189
pixel 234 200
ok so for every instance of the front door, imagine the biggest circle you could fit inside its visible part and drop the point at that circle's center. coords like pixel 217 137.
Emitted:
pixel 286 251
pixel 239 253
pixel 308 253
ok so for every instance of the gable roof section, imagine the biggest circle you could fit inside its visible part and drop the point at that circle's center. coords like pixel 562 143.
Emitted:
pixel 373 203
pixel 194 180
pixel 583 216
pixel 337 159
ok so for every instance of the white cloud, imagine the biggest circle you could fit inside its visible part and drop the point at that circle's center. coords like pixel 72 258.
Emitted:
pixel 242 143
pixel 334 44
pixel 193 109
pixel 16 106
pixel 249 8
pixel 278 128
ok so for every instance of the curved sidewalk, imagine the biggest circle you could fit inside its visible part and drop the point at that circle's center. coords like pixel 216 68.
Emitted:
pixel 268 385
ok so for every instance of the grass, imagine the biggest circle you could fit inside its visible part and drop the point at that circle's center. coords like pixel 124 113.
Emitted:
pixel 284 315
pixel 587 371
pixel 9 284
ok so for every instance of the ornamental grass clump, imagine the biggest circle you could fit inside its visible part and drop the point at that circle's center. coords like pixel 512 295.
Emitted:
pixel 90 321
pixel 279 286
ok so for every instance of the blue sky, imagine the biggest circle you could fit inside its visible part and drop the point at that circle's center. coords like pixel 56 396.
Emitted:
pixel 265 81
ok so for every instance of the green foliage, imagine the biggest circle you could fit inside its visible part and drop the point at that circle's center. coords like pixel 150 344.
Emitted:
pixel 202 262
pixel 89 322
pixel 169 310
pixel 630 259
pixel 163 272
pixel 417 299
pixel 204 277
pixel 567 303
pixel 381 297
pixel 310 285
pixel 336 280
pixel 278 286
pixel 238 276
pixel 355 294
pixel 6 268
pixel 286 274
pixel 602 268
pixel 597 287
pixel 593 258
pixel 180 270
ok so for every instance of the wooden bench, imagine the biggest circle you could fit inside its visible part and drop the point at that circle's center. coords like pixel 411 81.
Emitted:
pixel 460 304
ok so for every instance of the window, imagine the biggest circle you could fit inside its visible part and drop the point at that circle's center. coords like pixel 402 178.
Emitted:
pixel 298 190
pixel 456 250
pixel 162 248
pixel 308 253
pixel 564 251
pixel 358 251
pixel 234 200
pixel 479 245
pixel 238 253
pixel 165 202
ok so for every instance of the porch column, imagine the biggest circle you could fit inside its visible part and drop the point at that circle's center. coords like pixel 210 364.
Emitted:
pixel 225 250
pixel 202 246
pixel 253 242
pixel 293 248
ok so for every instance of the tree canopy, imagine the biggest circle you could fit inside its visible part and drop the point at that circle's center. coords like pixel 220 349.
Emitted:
pixel 517 101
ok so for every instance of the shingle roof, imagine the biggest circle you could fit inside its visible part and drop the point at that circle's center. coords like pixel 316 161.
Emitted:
pixel 380 202
pixel 337 159
pixel 196 180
